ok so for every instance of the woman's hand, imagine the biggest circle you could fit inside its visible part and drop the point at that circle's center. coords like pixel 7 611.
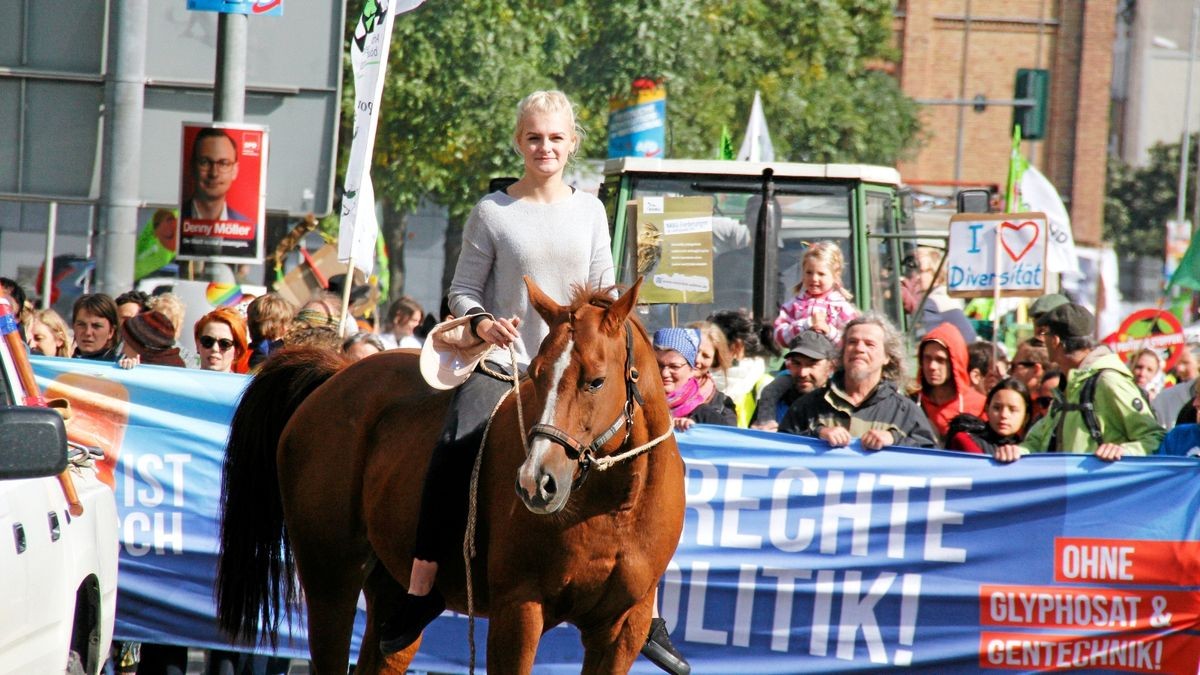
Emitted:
pixel 684 423
pixel 128 362
pixel 1007 453
pixel 500 332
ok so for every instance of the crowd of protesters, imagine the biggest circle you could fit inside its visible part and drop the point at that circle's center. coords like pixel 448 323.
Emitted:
pixel 847 380
pixel 844 376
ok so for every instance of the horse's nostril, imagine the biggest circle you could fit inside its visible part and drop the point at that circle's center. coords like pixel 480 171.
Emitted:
pixel 549 487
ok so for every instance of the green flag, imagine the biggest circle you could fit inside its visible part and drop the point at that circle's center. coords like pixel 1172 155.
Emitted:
pixel 1016 167
pixel 725 149
pixel 382 270
pixel 1187 274
pixel 156 243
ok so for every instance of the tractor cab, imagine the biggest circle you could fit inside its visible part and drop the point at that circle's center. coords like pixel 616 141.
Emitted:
pixel 765 215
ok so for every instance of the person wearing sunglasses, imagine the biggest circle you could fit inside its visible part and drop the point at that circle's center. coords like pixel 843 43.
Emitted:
pixel 222 342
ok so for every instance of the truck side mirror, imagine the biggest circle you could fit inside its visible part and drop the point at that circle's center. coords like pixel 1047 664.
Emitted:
pixel 973 200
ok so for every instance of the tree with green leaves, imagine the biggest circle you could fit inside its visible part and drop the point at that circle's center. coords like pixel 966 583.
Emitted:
pixel 457 70
pixel 1140 200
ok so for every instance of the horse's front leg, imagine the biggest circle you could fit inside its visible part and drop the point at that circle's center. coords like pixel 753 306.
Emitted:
pixel 612 648
pixel 513 633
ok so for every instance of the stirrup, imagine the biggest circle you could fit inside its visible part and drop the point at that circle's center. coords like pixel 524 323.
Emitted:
pixel 408 619
pixel 661 652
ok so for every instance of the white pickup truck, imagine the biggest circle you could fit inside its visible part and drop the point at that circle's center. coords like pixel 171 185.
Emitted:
pixel 58 572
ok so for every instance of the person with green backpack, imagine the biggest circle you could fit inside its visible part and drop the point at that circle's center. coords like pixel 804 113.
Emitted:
pixel 1101 411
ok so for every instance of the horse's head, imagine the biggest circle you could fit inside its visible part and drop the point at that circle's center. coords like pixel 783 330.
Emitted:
pixel 585 374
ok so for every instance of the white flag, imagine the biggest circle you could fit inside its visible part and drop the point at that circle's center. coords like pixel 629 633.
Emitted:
pixel 1038 194
pixel 357 228
pixel 756 147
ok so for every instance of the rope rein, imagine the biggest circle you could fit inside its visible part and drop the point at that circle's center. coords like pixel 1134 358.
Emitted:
pixel 601 464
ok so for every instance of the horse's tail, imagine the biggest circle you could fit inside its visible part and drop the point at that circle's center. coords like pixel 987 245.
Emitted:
pixel 255 562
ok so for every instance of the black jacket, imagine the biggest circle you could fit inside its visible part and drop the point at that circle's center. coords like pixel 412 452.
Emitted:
pixel 885 409
pixel 718 410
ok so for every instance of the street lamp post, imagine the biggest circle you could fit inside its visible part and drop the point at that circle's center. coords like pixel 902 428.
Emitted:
pixel 1185 143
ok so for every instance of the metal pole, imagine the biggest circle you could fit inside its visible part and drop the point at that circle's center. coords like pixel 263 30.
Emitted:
pixel 229 100
pixel 962 93
pixel 121 161
pixel 1037 63
pixel 48 268
pixel 1186 142
pixel 229 92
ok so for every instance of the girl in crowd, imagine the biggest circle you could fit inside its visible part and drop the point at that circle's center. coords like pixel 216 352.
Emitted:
pixel 821 303
pixel 712 361
pixel 1146 366
pixel 676 350
pixel 1008 418
pixel 222 343
pixel 267 318
pixel 48 334
pixel 403 317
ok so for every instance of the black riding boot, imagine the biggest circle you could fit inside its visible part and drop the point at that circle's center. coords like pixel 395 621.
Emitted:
pixel 408 619
pixel 439 530
pixel 661 652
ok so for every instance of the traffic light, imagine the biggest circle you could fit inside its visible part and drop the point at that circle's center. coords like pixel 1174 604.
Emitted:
pixel 1032 83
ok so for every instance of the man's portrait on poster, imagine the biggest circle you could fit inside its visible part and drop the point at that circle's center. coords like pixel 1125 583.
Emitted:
pixel 220 209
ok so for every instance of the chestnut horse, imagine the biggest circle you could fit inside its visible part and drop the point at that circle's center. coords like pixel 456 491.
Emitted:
pixel 323 477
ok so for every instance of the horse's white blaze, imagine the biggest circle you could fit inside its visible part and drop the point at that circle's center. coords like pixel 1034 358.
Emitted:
pixel 540 445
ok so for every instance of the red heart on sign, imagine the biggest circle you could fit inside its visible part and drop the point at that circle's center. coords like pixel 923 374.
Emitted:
pixel 1016 237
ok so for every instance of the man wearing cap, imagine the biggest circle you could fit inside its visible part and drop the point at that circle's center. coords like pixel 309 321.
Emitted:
pixel 1112 420
pixel 861 399
pixel 809 363
pixel 1038 308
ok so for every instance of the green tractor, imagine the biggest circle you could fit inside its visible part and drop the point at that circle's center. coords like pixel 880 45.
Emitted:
pixel 765 215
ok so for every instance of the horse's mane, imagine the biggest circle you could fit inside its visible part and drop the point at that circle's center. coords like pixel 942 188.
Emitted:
pixel 603 298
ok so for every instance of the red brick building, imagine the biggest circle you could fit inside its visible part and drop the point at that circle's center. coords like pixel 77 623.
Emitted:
pixel 1073 39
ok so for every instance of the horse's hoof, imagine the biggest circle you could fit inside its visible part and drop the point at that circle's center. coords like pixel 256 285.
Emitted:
pixel 408 619
pixel 661 652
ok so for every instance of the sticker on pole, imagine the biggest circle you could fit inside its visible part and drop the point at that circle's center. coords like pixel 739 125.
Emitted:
pixel 1150 328
pixel 997 250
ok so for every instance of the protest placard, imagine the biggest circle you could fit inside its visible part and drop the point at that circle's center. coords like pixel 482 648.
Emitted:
pixel 997 253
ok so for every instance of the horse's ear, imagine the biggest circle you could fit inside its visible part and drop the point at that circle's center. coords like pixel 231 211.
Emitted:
pixel 547 308
pixel 616 314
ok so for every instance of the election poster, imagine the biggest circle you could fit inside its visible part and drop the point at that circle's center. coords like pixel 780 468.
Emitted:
pixel 637 123
pixel 795 557
pixel 222 210
pixel 675 249
pixel 997 253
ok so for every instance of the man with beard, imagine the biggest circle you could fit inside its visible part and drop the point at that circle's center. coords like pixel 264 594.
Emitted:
pixel 809 362
pixel 861 400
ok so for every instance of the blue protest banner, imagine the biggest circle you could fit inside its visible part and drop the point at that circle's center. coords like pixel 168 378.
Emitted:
pixel 795 558
pixel 255 7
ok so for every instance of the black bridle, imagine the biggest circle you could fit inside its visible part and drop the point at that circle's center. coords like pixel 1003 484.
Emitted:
pixel 585 454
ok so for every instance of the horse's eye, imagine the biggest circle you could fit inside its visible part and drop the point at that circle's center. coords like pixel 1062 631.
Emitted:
pixel 595 384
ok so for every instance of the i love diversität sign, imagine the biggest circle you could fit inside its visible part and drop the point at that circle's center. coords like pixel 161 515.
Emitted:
pixel 975 267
